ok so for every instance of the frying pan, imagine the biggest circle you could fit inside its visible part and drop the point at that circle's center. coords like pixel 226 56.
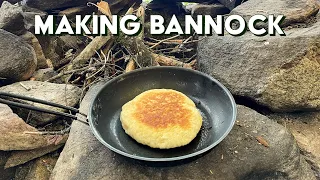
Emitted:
pixel 214 101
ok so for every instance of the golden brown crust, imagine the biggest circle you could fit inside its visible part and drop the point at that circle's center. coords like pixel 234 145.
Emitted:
pixel 161 118
pixel 163 109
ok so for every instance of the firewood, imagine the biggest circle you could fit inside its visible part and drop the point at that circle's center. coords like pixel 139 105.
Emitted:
pixel 167 61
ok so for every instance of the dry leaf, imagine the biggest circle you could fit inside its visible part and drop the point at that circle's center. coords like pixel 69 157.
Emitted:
pixel 104 8
pixel 141 12
pixel 262 141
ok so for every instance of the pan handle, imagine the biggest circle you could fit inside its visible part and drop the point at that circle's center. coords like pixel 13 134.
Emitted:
pixel 34 108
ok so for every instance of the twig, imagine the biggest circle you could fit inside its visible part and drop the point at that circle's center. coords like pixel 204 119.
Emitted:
pixel 62 132
pixel 68 72
pixel 167 61
pixel 164 41
pixel 24 86
pixel 90 50
pixel 192 57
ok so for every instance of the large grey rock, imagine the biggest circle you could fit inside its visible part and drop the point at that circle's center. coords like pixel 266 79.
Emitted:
pixel 282 73
pixel 296 11
pixel 11 18
pixel 63 94
pixel 17 58
pixel 239 156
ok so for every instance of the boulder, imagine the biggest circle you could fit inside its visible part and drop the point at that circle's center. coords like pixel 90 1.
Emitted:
pixel 209 9
pixel 297 11
pixel 17 135
pixel 238 156
pixel 282 73
pixel 11 18
pixel 17 60
pixel 68 95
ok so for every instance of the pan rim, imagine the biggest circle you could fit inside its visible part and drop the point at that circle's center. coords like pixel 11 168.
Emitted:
pixel 118 151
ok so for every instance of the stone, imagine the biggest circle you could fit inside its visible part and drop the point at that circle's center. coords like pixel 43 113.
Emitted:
pixel 11 18
pixel 31 39
pixel 40 169
pixel 209 9
pixel 45 74
pixel 17 135
pixel 20 157
pixel 29 17
pixel 17 60
pixel 54 48
pixel 297 11
pixel 238 156
pixel 231 4
pixel 280 72
pixel 305 127
pixel 63 94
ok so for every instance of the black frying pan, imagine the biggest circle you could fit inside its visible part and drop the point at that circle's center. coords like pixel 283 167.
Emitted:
pixel 215 102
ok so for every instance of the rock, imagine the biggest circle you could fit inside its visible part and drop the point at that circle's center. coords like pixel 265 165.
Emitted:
pixel 29 17
pixel 305 127
pixel 297 11
pixel 17 135
pixel 17 60
pixel 282 73
pixel 239 156
pixel 115 5
pixel 210 9
pixel 5 173
pixel 68 95
pixel 39 169
pixel 54 48
pixel 11 18
pixel 20 157
pixel 33 41
pixel 231 4
pixel 45 74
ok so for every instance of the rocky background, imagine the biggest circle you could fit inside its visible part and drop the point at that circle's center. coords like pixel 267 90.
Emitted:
pixel 275 81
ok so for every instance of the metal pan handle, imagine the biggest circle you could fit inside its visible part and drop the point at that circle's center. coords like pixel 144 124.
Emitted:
pixel 34 108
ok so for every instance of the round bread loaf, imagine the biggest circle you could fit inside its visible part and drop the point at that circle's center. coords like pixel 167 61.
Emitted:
pixel 161 118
